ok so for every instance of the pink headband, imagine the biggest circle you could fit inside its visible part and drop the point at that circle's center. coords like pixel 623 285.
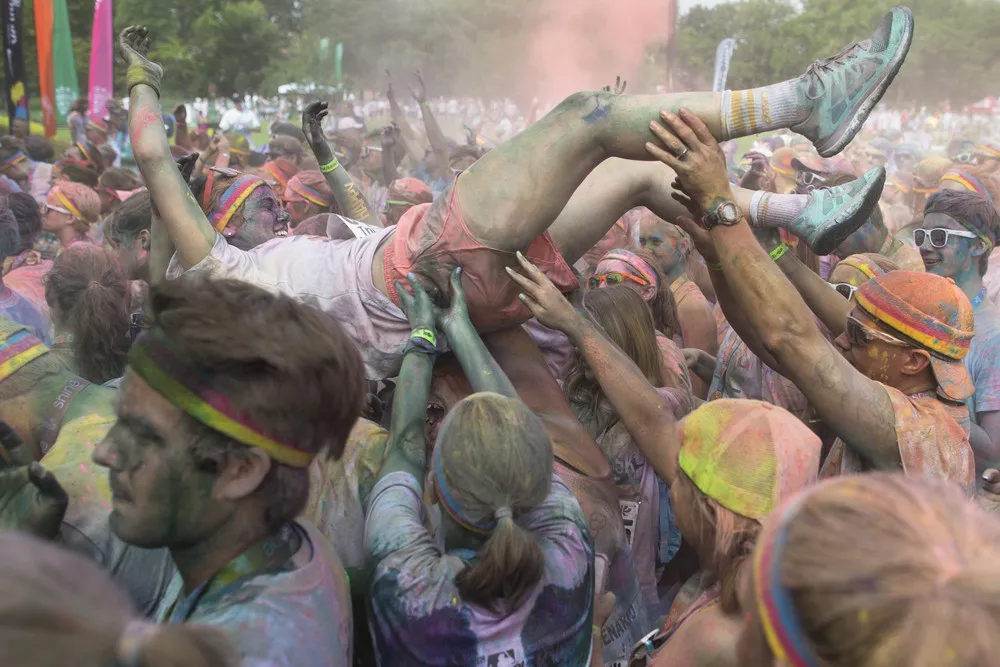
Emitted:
pixel 301 189
pixel 640 265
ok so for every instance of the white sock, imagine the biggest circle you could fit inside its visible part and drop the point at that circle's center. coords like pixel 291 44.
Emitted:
pixel 746 112
pixel 768 209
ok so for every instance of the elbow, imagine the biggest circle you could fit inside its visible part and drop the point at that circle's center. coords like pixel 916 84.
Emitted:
pixel 148 152
pixel 783 340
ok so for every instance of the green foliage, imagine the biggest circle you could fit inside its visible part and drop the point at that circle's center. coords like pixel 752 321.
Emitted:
pixel 482 47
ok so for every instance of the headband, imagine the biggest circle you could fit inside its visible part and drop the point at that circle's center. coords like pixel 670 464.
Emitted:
pixel 900 184
pixel 234 197
pixel 194 391
pixel 967 181
pixel 636 262
pixel 82 147
pixel 450 503
pixel 309 194
pixel 97 125
pixel 864 267
pixel 18 351
pixel 989 149
pixel 16 158
pixel 68 203
pixel 781 624
pixel 933 334
pixel 278 176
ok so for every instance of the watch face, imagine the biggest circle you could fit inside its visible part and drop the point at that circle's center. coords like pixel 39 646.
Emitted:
pixel 728 213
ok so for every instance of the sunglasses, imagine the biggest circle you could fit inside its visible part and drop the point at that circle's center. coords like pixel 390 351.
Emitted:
pixel 845 290
pixel 58 209
pixel 646 648
pixel 809 178
pixel 225 171
pixel 965 158
pixel 939 236
pixel 858 335
pixel 612 279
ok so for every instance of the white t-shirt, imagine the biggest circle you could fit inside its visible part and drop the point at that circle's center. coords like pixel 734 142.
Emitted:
pixel 334 276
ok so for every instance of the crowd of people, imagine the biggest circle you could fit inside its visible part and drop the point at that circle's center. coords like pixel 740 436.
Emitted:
pixel 600 392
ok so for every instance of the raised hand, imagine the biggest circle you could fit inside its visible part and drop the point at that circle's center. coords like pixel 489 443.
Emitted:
pixel 31 500
pixel 417 304
pixel 312 127
pixel 390 94
pixel 419 91
pixel 686 146
pixel 617 90
pixel 458 312
pixel 545 302
pixel 133 47
pixel 180 114
pixel 186 165
pixel 388 136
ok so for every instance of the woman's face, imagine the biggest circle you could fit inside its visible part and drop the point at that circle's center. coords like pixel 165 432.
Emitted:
pixel 257 222
pixel 55 216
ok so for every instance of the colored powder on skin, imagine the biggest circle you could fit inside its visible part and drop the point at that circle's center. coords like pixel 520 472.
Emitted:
pixel 144 118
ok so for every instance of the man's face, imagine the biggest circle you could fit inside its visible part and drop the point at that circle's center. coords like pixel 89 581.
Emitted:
pixel 876 360
pixel 955 257
pixel 159 497
pixel 259 221
pixel 131 256
pixel 663 241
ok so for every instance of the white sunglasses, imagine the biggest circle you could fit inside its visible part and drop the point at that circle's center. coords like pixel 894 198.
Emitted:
pixel 939 236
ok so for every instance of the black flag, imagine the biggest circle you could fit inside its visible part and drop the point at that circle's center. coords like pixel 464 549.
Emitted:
pixel 17 94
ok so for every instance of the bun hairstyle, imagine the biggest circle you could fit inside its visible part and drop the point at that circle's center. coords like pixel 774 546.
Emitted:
pixel 47 616
pixel 492 463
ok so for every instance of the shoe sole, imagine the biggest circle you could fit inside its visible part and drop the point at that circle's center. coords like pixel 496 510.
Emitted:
pixel 839 140
pixel 830 238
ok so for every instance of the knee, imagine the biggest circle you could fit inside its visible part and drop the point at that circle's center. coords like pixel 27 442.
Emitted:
pixel 585 102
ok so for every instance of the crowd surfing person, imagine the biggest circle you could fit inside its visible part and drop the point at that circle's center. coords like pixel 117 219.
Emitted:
pixel 482 224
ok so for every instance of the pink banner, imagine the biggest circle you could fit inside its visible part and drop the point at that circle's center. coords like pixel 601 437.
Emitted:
pixel 101 59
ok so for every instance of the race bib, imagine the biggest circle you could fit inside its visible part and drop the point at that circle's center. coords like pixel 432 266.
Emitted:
pixel 630 515
pixel 359 229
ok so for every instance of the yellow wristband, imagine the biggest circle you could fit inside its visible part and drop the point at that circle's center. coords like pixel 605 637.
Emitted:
pixel 424 334
pixel 329 166
pixel 598 632
pixel 779 252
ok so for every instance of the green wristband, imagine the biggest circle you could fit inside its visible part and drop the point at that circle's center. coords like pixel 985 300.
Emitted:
pixel 779 252
pixel 714 267
pixel 332 165
pixel 424 334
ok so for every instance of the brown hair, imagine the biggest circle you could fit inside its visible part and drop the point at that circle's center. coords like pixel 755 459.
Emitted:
pixel 86 201
pixel 89 297
pixel 291 366
pixel 627 321
pixel 964 207
pixel 117 178
pixel 496 453
pixel 885 569
pixel 289 147
pixel 663 306
pixel 726 538
pixel 47 615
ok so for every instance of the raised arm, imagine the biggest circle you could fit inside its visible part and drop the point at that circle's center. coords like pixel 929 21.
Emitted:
pixel 186 224
pixel 856 408
pixel 477 363
pixel 345 191
pixel 649 420
pixel 389 170
pixel 439 145
pixel 829 306
pixel 407 448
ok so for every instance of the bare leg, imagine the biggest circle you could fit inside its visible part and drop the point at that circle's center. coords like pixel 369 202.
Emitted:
pixel 512 195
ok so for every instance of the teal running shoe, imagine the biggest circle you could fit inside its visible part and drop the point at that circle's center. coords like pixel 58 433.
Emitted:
pixel 845 88
pixel 833 214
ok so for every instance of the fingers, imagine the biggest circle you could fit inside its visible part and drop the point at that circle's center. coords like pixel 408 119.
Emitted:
pixel 663 156
pixel 405 298
pixel 680 129
pixel 522 282
pixel 456 284
pixel 699 128
pixel 531 269
pixel 47 483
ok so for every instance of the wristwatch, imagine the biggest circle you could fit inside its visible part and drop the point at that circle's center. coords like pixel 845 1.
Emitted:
pixel 725 213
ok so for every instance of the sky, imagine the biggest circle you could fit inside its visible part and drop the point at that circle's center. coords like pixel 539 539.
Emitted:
pixel 684 5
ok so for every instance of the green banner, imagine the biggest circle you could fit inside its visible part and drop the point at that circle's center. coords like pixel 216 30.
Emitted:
pixel 338 61
pixel 67 84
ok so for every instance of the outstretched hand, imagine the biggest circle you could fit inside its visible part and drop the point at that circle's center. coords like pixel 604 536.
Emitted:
pixel 617 90
pixel 32 500
pixel 419 91
pixel 133 47
pixel 689 148
pixel 312 127
pixel 543 299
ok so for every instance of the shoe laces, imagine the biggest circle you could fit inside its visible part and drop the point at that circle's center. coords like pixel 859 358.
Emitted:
pixel 821 67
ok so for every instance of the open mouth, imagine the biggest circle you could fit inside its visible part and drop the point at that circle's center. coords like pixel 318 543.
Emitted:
pixel 281 232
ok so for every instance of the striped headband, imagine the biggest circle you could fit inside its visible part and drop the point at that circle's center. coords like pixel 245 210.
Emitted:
pixel 989 148
pixel 234 197
pixel 636 262
pixel 864 267
pixel 68 203
pixel 309 194
pixel 98 125
pixel 930 332
pixel 899 183
pixel 451 504
pixel 278 176
pixel 82 147
pixel 967 181
pixel 194 391
pixel 782 627
pixel 18 351
pixel 16 158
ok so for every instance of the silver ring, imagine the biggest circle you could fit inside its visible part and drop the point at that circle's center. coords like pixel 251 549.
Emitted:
pixel 682 153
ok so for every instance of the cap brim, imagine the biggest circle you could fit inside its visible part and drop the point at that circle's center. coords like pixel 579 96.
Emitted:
pixel 953 379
